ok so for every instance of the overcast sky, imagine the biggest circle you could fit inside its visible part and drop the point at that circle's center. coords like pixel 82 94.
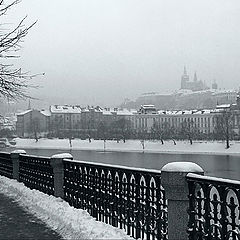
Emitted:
pixel 101 51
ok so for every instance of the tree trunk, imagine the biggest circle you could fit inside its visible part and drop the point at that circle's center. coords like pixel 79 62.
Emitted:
pixel 190 139
pixel 227 135
pixel 227 142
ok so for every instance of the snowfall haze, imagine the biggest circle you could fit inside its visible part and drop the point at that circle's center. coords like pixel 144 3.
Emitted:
pixel 100 51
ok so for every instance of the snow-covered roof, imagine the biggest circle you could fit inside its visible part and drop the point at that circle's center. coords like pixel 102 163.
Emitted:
pixel 148 106
pixel 187 112
pixel 156 94
pixel 224 91
pixel 122 112
pixel 118 111
pixel 47 113
pixel 105 112
pixel 209 91
pixel 23 113
pixel 223 106
pixel 65 109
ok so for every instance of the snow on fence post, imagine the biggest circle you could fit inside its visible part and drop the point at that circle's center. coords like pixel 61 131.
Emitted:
pixel 58 171
pixel 15 160
pixel 173 179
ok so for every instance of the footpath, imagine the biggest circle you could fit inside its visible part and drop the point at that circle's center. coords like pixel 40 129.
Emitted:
pixel 16 223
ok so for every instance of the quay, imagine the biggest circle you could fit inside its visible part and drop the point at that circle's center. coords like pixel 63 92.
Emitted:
pixel 176 203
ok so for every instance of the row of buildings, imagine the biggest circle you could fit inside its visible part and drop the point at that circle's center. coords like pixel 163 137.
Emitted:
pixel 75 119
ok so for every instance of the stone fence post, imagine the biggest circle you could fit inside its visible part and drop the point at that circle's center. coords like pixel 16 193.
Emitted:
pixel 173 178
pixel 15 160
pixel 58 171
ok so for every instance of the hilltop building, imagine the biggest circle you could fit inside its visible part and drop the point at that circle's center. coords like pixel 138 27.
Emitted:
pixel 195 85
pixel 192 95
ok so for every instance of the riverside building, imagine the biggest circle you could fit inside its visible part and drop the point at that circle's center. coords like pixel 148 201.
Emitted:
pixel 77 121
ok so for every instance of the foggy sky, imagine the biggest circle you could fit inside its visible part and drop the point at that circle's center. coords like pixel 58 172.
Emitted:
pixel 101 51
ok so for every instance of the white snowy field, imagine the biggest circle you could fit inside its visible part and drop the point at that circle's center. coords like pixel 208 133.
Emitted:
pixel 69 222
pixel 206 147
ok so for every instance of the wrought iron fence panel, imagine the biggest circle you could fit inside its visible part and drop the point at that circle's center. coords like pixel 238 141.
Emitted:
pixel 6 165
pixel 214 208
pixel 36 172
pixel 128 198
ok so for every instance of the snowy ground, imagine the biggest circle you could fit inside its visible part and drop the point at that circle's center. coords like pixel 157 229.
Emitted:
pixel 207 147
pixel 69 222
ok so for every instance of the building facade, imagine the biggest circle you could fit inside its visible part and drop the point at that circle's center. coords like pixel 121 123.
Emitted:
pixel 75 121
pixel 32 122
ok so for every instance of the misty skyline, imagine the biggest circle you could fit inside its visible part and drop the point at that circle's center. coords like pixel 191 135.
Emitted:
pixel 100 52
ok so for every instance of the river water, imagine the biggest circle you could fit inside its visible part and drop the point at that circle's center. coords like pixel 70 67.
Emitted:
pixel 225 166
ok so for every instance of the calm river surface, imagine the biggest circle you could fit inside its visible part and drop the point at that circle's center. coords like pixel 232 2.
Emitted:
pixel 225 166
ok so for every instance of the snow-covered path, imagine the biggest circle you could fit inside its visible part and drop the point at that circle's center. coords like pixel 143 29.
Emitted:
pixel 69 222
pixel 16 223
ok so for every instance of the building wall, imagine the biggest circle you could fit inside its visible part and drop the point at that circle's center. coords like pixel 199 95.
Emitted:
pixel 202 121
pixel 30 120
pixel 90 119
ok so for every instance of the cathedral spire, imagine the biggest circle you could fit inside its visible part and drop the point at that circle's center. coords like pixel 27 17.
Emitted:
pixel 195 77
pixel 185 71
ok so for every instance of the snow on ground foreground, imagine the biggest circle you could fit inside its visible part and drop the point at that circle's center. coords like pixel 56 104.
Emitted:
pixel 210 147
pixel 69 222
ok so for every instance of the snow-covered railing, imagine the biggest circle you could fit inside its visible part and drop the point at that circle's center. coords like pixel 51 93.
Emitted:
pixel 6 165
pixel 36 172
pixel 214 208
pixel 177 203
pixel 128 198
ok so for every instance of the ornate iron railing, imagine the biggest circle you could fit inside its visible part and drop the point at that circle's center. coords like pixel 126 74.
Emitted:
pixel 36 172
pixel 214 206
pixel 128 198
pixel 6 165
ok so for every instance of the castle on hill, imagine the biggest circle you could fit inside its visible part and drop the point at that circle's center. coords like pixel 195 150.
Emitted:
pixel 195 85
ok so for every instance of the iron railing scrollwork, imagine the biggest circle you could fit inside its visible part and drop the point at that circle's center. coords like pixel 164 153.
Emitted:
pixel 6 165
pixel 37 173
pixel 128 198
pixel 214 208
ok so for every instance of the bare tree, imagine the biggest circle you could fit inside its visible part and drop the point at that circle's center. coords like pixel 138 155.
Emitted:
pixel 121 128
pixel 224 126
pixel 34 128
pixel 163 131
pixel 102 132
pixel 13 81
pixel 143 135
pixel 142 141
pixel 188 129
pixel 157 132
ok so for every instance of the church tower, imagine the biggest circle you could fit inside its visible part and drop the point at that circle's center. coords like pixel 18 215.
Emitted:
pixel 214 85
pixel 185 79
pixel 195 77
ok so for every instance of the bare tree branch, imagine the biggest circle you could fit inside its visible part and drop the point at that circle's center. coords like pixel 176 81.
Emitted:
pixel 14 82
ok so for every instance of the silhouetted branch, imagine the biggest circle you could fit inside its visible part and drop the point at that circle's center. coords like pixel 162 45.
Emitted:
pixel 13 81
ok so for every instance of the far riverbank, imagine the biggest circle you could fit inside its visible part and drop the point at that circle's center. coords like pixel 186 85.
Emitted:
pixel 181 147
